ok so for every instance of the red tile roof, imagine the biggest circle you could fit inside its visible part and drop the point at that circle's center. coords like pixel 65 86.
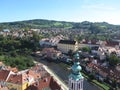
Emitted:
pixel 90 65
pixel 39 70
pixel 110 72
pixel 54 85
pixel 112 43
pixel 4 74
pixel 35 74
pixel 47 81
pixel 94 42
pixel 17 79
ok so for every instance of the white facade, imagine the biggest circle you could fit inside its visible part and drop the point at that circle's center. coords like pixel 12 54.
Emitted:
pixel 75 85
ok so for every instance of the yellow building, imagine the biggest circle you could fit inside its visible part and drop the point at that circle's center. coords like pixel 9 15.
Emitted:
pixel 66 45
pixel 18 82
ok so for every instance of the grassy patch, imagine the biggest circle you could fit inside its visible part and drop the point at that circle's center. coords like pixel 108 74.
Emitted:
pixel 102 85
pixel 58 24
pixel 84 75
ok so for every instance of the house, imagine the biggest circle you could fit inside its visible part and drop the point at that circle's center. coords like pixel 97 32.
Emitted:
pixel 102 53
pixel 89 67
pixel 90 43
pixel 14 69
pixel 2 66
pixel 66 45
pixel 107 50
pixel 36 78
pixel 46 83
pixel 94 50
pixel 53 41
pixel 18 82
pixel 33 74
pixel 101 73
pixel 51 53
pixel 6 30
pixel 4 75
pixel 45 42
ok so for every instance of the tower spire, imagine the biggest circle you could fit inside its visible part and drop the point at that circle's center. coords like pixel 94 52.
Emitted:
pixel 76 78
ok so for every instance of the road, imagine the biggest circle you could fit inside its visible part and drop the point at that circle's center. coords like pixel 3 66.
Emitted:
pixel 62 72
pixel 64 86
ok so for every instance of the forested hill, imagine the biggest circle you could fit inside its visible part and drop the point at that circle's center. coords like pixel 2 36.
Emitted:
pixel 37 23
pixel 41 23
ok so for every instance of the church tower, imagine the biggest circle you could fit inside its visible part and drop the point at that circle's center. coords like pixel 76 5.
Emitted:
pixel 75 78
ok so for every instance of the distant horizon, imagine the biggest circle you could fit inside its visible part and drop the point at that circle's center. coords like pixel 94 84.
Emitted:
pixel 56 20
pixel 61 10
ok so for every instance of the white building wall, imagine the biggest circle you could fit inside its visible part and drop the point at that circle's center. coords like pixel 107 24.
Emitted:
pixel 77 85
pixel 66 47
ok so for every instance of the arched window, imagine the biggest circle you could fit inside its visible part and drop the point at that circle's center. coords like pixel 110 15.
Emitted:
pixel 72 85
pixel 79 85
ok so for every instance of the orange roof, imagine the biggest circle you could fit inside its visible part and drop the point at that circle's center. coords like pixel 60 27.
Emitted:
pixel 90 65
pixel 39 70
pixel 12 69
pixel 47 81
pixel 17 79
pixel 34 74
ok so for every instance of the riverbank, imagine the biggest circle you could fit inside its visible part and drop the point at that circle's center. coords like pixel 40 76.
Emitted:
pixel 62 71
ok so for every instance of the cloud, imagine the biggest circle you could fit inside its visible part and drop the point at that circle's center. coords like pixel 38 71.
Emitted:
pixel 98 7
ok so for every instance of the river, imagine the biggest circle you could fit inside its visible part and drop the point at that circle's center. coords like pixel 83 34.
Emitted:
pixel 63 73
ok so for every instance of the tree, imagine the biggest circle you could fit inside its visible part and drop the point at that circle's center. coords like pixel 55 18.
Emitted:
pixel 91 76
pixel 22 62
pixel 86 49
pixel 26 28
pixel 94 28
pixel 113 59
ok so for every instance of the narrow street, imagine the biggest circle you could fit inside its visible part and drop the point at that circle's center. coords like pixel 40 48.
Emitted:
pixel 60 70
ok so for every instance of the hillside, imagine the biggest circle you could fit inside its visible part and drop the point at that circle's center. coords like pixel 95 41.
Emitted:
pixel 37 23
pixel 41 23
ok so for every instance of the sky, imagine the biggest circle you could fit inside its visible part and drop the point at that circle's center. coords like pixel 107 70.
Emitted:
pixel 61 10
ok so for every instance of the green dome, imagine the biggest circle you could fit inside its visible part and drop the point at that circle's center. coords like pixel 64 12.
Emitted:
pixel 76 67
pixel 76 77
pixel 76 56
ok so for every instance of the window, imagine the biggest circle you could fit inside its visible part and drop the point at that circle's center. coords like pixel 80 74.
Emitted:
pixel 79 85
pixel 72 85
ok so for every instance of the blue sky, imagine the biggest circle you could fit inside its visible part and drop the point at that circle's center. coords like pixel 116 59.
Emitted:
pixel 63 10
